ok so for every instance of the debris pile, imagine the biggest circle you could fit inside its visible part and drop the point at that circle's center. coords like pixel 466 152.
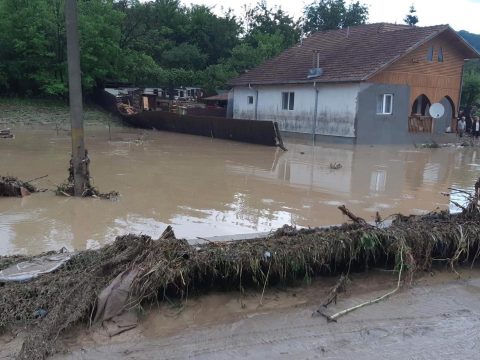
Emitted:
pixel 12 187
pixel 67 188
pixel 152 270
pixel 171 267
pixel 6 134
pixel 126 109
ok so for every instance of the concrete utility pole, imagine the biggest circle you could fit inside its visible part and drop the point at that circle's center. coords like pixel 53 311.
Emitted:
pixel 76 102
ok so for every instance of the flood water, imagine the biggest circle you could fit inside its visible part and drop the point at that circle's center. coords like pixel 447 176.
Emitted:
pixel 204 187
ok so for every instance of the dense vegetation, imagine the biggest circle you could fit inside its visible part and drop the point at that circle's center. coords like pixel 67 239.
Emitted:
pixel 150 42
pixel 471 78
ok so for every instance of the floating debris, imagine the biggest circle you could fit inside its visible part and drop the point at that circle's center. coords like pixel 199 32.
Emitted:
pixel 6 134
pixel 12 187
pixel 335 166
pixel 67 188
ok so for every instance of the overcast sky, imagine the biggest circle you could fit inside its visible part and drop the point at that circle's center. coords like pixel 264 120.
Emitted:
pixel 460 14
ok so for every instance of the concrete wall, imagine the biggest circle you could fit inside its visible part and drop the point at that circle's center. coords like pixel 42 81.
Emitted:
pixel 336 109
pixel 337 106
pixel 442 123
pixel 241 108
pixel 390 129
pixel 382 129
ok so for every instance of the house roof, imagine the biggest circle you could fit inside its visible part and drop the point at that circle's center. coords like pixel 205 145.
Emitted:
pixel 347 55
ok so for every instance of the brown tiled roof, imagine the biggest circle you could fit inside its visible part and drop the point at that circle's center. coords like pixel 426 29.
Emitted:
pixel 352 54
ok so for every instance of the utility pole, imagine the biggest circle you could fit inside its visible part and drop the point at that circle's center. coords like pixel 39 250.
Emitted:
pixel 79 159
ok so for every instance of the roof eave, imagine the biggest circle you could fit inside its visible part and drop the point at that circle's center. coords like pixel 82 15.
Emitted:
pixel 297 82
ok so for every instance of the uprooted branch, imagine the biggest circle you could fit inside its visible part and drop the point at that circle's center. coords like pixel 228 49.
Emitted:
pixel 351 216
pixel 11 186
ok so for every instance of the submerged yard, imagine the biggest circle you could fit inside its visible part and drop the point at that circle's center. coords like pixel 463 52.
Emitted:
pixel 202 188
pixel 205 187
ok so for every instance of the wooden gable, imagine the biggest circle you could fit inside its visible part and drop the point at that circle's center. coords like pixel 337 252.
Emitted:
pixel 435 79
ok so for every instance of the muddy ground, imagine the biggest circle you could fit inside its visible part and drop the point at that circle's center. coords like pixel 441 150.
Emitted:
pixel 437 317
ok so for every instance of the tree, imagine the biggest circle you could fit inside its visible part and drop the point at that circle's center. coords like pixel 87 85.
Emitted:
pixel 471 88
pixel 263 20
pixel 245 56
pixel 411 19
pixel 153 42
pixel 215 36
pixel 333 14
pixel 185 56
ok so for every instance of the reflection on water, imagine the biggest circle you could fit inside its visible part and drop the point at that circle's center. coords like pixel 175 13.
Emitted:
pixel 207 187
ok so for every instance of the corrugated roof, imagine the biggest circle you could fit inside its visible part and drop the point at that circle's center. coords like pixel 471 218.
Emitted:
pixel 352 54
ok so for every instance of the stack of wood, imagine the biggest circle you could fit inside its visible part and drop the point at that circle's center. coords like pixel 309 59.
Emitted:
pixel 6 134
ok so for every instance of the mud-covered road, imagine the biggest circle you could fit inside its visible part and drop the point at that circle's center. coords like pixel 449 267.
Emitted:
pixel 438 318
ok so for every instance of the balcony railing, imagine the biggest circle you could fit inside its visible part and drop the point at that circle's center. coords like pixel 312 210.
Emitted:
pixel 420 123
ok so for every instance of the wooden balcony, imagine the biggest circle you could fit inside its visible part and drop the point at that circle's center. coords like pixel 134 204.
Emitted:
pixel 419 123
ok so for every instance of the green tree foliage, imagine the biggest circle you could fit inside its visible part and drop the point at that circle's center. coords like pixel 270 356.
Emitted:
pixel 333 14
pixel 152 42
pixel 272 21
pixel 411 18
pixel 471 88
pixel 31 51
pixel 267 32
pixel 33 45
pixel 471 77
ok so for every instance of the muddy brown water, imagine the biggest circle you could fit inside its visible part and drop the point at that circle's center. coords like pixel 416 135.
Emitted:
pixel 204 187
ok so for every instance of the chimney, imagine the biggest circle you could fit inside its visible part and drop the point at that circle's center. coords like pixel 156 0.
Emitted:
pixel 316 59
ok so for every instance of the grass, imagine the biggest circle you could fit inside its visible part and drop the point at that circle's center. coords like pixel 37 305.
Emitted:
pixel 20 111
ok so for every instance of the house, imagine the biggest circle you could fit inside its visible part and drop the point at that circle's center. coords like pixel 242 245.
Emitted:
pixel 370 83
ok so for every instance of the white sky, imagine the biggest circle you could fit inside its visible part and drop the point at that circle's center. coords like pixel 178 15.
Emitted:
pixel 460 14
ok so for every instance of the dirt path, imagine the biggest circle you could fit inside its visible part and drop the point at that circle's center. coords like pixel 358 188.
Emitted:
pixel 437 318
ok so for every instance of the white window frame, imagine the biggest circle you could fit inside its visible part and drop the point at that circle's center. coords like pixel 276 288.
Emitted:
pixel 250 97
pixel 290 103
pixel 384 103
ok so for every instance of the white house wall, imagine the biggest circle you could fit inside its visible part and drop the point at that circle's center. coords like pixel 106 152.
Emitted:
pixel 336 109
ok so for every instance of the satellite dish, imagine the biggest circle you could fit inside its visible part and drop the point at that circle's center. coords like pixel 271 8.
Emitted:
pixel 437 110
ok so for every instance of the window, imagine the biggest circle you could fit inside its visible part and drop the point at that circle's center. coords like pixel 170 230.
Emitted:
pixel 288 100
pixel 430 54
pixel 385 104
pixel 250 100
pixel 440 55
